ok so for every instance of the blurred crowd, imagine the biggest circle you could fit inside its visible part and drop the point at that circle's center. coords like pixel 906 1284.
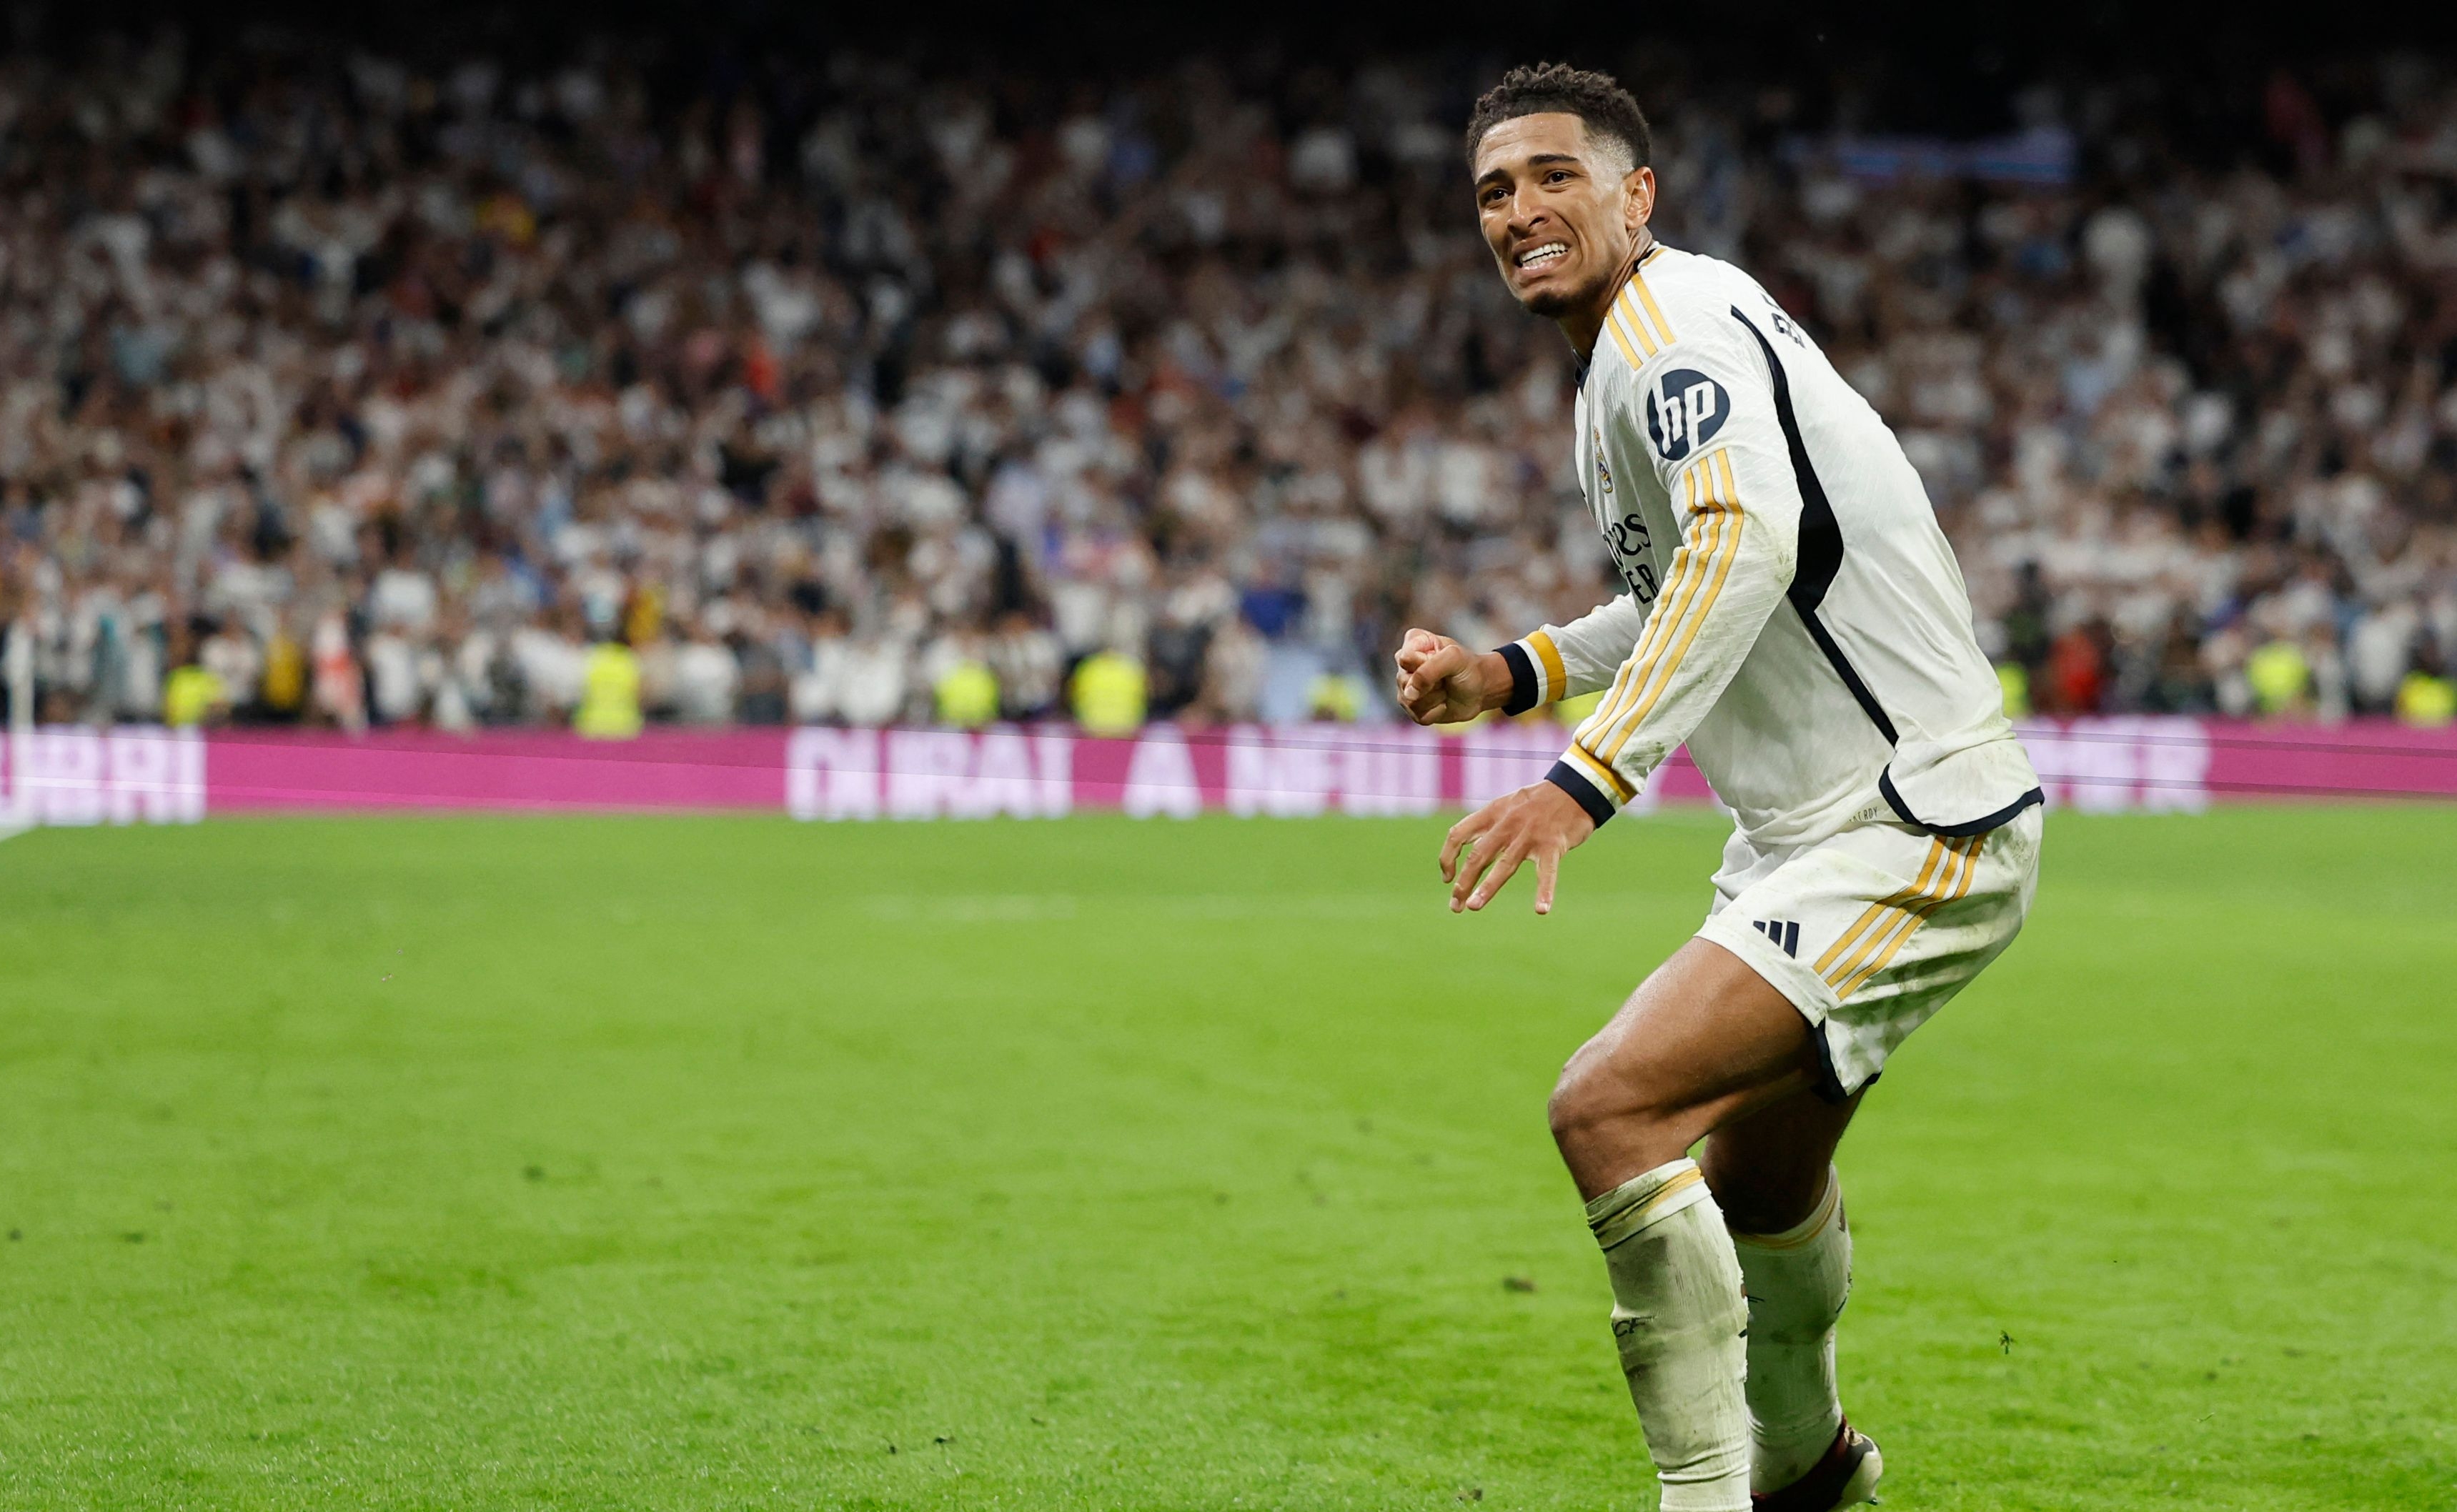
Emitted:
pixel 339 391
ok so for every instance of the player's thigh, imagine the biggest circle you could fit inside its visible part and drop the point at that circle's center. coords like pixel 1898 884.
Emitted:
pixel 1873 930
pixel 1703 1038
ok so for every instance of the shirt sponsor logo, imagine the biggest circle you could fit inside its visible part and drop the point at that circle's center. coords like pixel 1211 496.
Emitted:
pixel 1684 411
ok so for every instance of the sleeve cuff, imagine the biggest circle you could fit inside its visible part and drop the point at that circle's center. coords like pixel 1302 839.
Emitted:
pixel 1526 686
pixel 1536 673
pixel 1598 788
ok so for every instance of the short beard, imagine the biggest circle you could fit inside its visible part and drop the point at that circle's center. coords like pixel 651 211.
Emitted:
pixel 1553 304
pixel 1550 306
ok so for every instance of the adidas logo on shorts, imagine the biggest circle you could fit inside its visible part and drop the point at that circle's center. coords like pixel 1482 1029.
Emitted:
pixel 1781 931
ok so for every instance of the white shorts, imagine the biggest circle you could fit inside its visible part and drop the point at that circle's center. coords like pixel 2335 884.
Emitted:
pixel 1872 930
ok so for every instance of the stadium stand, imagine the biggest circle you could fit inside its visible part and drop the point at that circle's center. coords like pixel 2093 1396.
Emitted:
pixel 339 391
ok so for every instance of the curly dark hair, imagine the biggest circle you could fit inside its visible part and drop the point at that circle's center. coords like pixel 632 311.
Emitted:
pixel 1597 99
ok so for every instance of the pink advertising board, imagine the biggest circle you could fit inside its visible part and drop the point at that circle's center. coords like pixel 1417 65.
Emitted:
pixel 142 774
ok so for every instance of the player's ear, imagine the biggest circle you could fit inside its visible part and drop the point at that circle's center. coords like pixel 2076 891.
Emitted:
pixel 1637 197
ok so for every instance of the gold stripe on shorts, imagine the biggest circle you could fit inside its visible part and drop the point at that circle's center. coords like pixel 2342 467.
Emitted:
pixel 1902 913
pixel 1890 914
pixel 1844 942
pixel 1969 853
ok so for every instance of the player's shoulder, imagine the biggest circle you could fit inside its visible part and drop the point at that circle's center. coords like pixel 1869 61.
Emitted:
pixel 1671 338
pixel 1686 283
pixel 1676 306
pixel 1687 357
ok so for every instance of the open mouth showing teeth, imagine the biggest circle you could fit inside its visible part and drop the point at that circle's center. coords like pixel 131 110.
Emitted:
pixel 1550 253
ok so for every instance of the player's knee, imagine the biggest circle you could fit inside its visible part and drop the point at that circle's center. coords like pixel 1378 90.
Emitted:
pixel 1567 1109
pixel 1594 1096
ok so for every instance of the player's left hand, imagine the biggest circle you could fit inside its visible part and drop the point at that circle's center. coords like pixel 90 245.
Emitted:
pixel 1538 823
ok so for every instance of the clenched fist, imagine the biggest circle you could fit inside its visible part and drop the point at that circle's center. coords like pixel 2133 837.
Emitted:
pixel 1443 682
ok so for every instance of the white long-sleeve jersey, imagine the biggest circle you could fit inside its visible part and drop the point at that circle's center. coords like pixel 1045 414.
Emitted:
pixel 1792 613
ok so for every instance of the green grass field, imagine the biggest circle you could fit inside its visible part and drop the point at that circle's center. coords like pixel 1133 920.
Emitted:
pixel 730 1163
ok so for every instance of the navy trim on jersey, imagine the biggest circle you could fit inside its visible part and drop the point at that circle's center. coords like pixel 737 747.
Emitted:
pixel 1525 687
pixel 1850 676
pixel 1978 826
pixel 1571 780
pixel 1820 542
pixel 1821 536
pixel 1821 558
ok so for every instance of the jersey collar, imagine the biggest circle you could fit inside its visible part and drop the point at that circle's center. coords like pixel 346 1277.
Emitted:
pixel 1588 361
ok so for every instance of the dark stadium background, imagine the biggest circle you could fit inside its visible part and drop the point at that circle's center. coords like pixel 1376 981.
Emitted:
pixel 2149 106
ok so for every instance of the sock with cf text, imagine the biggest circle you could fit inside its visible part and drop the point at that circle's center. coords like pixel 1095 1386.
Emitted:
pixel 1679 1320
pixel 1798 1281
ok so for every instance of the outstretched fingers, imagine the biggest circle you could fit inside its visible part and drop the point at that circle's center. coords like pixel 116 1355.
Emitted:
pixel 1539 822
pixel 1462 835
pixel 1505 864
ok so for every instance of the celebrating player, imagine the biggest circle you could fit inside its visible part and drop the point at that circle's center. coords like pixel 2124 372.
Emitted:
pixel 1795 616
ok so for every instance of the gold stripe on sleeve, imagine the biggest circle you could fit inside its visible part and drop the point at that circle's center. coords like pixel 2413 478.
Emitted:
pixel 1628 352
pixel 1678 583
pixel 1724 551
pixel 1613 318
pixel 1624 309
pixel 1600 773
pixel 1663 326
pixel 1557 677
pixel 1688 575
pixel 1689 569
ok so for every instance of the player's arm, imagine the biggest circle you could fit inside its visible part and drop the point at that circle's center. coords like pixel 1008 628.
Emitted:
pixel 1739 502
pixel 1443 682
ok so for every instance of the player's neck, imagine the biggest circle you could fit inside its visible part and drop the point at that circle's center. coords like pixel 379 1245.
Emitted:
pixel 1584 326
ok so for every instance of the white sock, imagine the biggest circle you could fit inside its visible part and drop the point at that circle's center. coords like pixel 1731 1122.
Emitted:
pixel 1678 1319
pixel 1798 1281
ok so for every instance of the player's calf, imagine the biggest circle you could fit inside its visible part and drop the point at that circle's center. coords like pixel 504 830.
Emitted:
pixel 1703 1041
pixel 1798 1279
pixel 1772 1174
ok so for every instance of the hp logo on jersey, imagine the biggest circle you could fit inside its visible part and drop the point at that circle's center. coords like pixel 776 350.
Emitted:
pixel 1685 409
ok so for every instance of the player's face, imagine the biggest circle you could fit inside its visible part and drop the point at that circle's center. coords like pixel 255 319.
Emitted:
pixel 1561 218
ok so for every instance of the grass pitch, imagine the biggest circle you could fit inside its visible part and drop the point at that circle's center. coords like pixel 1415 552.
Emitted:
pixel 730 1163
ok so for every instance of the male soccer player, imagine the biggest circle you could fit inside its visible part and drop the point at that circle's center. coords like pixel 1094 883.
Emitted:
pixel 1794 614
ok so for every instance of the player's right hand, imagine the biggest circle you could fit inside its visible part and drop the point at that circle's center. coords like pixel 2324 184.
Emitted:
pixel 1443 682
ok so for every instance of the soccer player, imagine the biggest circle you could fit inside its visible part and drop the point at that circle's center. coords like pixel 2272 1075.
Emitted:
pixel 1794 614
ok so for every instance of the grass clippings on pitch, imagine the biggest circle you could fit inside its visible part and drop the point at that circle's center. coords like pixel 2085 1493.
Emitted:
pixel 730 1163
